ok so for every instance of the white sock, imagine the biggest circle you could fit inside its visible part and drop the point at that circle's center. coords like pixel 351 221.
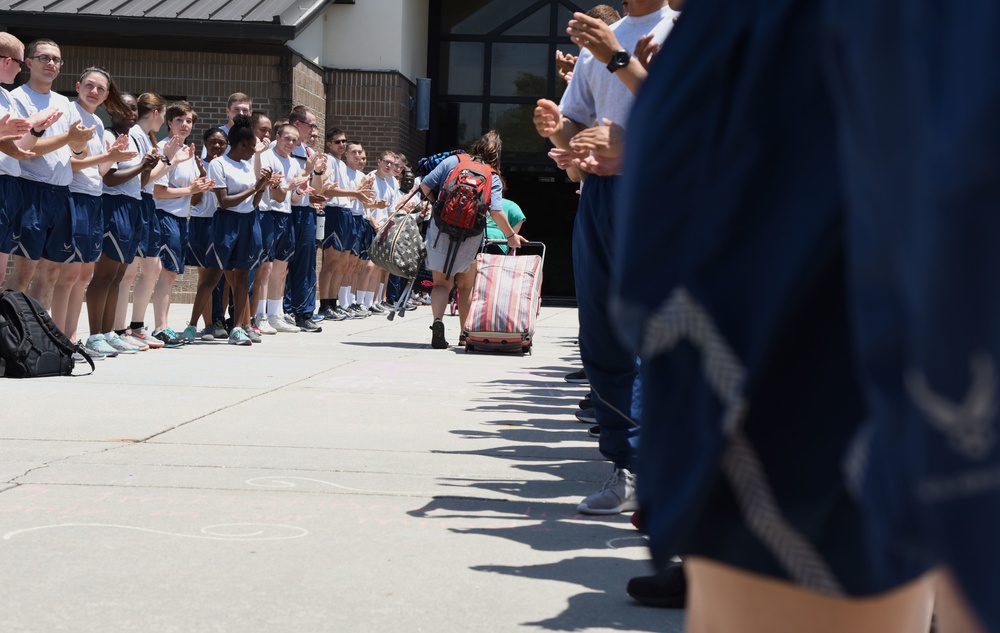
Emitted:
pixel 110 335
pixel 343 295
pixel 381 291
pixel 368 298
pixel 262 307
pixel 274 307
pixel 353 297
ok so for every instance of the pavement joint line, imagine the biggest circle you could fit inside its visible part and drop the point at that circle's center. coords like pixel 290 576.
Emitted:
pixel 238 403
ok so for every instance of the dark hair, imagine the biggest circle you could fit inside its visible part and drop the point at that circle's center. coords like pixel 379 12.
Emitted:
pixel 605 13
pixel 150 102
pixel 32 48
pixel 280 128
pixel 180 108
pixel 114 101
pixel 298 113
pixel 212 131
pixel 256 116
pixel 487 148
pixel 334 132
pixel 241 131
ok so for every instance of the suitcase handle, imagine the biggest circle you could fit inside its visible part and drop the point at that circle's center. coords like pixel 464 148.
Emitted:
pixel 513 251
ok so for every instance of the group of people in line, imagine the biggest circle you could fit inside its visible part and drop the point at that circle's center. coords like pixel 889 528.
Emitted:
pixel 92 213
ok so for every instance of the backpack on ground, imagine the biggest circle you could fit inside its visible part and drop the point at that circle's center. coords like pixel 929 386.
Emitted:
pixel 463 203
pixel 31 346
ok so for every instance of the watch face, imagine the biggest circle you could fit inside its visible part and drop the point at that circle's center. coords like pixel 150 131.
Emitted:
pixel 619 59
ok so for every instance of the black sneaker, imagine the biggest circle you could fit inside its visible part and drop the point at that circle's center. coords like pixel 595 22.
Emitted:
pixel 308 325
pixel 437 336
pixel 594 431
pixel 357 312
pixel 587 416
pixel 169 341
pixel 666 590
pixel 586 403
pixel 578 377
pixel 219 331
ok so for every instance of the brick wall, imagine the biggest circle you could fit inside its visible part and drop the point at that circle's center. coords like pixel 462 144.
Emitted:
pixel 374 108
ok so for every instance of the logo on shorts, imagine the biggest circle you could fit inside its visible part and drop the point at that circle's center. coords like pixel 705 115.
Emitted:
pixel 67 248
pixel 968 424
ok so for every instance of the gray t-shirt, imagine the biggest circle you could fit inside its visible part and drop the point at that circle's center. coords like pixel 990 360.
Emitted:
pixel 594 93
pixel 9 165
pixel 54 167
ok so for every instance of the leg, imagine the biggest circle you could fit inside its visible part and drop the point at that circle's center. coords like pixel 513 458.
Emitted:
pixel 208 280
pixel 76 297
pixel 107 275
pixel 465 281
pixel 68 276
pixel 238 281
pixel 724 598
pixel 439 294
pixel 121 296
pixel 161 298
pixel 151 268
pixel 64 314
pixel 20 277
pixel 4 257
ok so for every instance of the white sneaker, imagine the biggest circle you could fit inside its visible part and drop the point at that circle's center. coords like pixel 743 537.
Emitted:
pixel 278 324
pixel 617 495
pixel 264 325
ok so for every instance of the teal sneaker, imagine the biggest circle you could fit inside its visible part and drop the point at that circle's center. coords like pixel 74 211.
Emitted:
pixel 189 334
pixel 239 337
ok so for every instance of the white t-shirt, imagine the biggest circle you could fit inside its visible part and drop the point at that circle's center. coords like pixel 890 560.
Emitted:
pixel 9 165
pixel 209 203
pixel 88 180
pixel 235 176
pixel 145 145
pixel 131 187
pixel 384 190
pixel 53 167
pixel 336 173
pixel 290 168
pixel 596 93
pixel 353 178
pixel 180 176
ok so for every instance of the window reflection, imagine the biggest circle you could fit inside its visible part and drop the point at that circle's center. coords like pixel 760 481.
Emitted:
pixel 462 68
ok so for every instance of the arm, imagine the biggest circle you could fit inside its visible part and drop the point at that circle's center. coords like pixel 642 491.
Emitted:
pixel 76 137
pixel 227 201
pixel 115 177
pixel 116 152
pixel 598 38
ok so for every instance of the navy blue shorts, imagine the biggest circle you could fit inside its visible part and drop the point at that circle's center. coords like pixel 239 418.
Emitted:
pixel 340 230
pixel 88 225
pixel 150 240
pixel 199 249
pixel 267 229
pixel 173 237
pixel 238 244
pixel 10 211
pixel 46 226
pixel 281 231
pixel 122 218
pixel 365 234
pixel 752 403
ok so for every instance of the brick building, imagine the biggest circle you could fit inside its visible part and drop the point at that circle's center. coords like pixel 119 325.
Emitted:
pixel 355 63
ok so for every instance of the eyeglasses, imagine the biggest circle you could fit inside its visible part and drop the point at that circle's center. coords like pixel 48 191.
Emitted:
pixel 20 62
pixel 342 141
pixel 46 59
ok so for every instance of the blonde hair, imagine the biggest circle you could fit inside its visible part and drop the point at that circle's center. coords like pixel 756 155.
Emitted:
pixel 10 46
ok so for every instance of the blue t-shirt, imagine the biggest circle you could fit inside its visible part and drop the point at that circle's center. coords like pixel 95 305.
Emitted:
pixel 439 174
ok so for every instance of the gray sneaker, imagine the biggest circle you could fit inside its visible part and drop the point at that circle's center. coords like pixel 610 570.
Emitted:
pixel 617 495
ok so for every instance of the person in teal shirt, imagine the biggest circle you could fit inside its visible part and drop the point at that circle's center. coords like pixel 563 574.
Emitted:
pixel 514 215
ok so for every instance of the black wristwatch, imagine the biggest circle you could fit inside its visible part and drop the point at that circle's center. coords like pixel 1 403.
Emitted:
pixel 619 59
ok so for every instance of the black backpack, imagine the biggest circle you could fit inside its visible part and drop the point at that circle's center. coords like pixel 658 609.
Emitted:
pixel 31 345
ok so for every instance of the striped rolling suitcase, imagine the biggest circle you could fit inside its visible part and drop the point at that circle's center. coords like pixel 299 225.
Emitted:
pixel 506 297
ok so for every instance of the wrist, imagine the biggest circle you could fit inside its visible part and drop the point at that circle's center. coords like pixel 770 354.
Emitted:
pixel 36 133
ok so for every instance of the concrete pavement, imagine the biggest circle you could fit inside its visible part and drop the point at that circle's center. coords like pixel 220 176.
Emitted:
pixel 353 479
